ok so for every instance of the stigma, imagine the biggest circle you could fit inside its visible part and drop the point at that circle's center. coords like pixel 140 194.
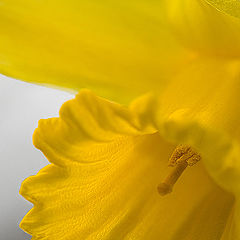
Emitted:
pixel 182 157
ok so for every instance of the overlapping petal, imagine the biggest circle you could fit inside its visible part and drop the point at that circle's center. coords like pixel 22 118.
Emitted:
pixel 103 180
pixel 203 29
pixel 120 49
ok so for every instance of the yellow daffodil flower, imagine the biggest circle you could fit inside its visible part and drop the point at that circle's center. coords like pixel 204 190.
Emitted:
pixel 111 163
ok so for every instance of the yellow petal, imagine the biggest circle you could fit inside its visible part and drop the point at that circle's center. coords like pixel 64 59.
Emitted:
pixel 120 49
pixel 203 29
pixel 107 163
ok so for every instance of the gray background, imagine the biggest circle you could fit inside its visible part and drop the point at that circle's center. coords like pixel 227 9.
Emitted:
pixel 21 106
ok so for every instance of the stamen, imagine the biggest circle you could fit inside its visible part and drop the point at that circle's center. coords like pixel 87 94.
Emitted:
pixel 182 157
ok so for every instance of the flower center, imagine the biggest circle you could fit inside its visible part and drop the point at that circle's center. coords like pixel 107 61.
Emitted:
pixel 181 157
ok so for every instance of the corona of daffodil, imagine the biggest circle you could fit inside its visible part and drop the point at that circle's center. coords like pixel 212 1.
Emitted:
pixel 163 162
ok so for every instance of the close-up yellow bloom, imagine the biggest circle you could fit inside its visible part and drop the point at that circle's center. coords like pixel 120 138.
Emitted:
pixel 152 150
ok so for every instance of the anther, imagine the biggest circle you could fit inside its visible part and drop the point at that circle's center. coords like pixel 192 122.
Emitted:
pixel 181 157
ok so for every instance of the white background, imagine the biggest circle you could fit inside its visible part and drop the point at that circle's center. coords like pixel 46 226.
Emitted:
pixel 21 106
